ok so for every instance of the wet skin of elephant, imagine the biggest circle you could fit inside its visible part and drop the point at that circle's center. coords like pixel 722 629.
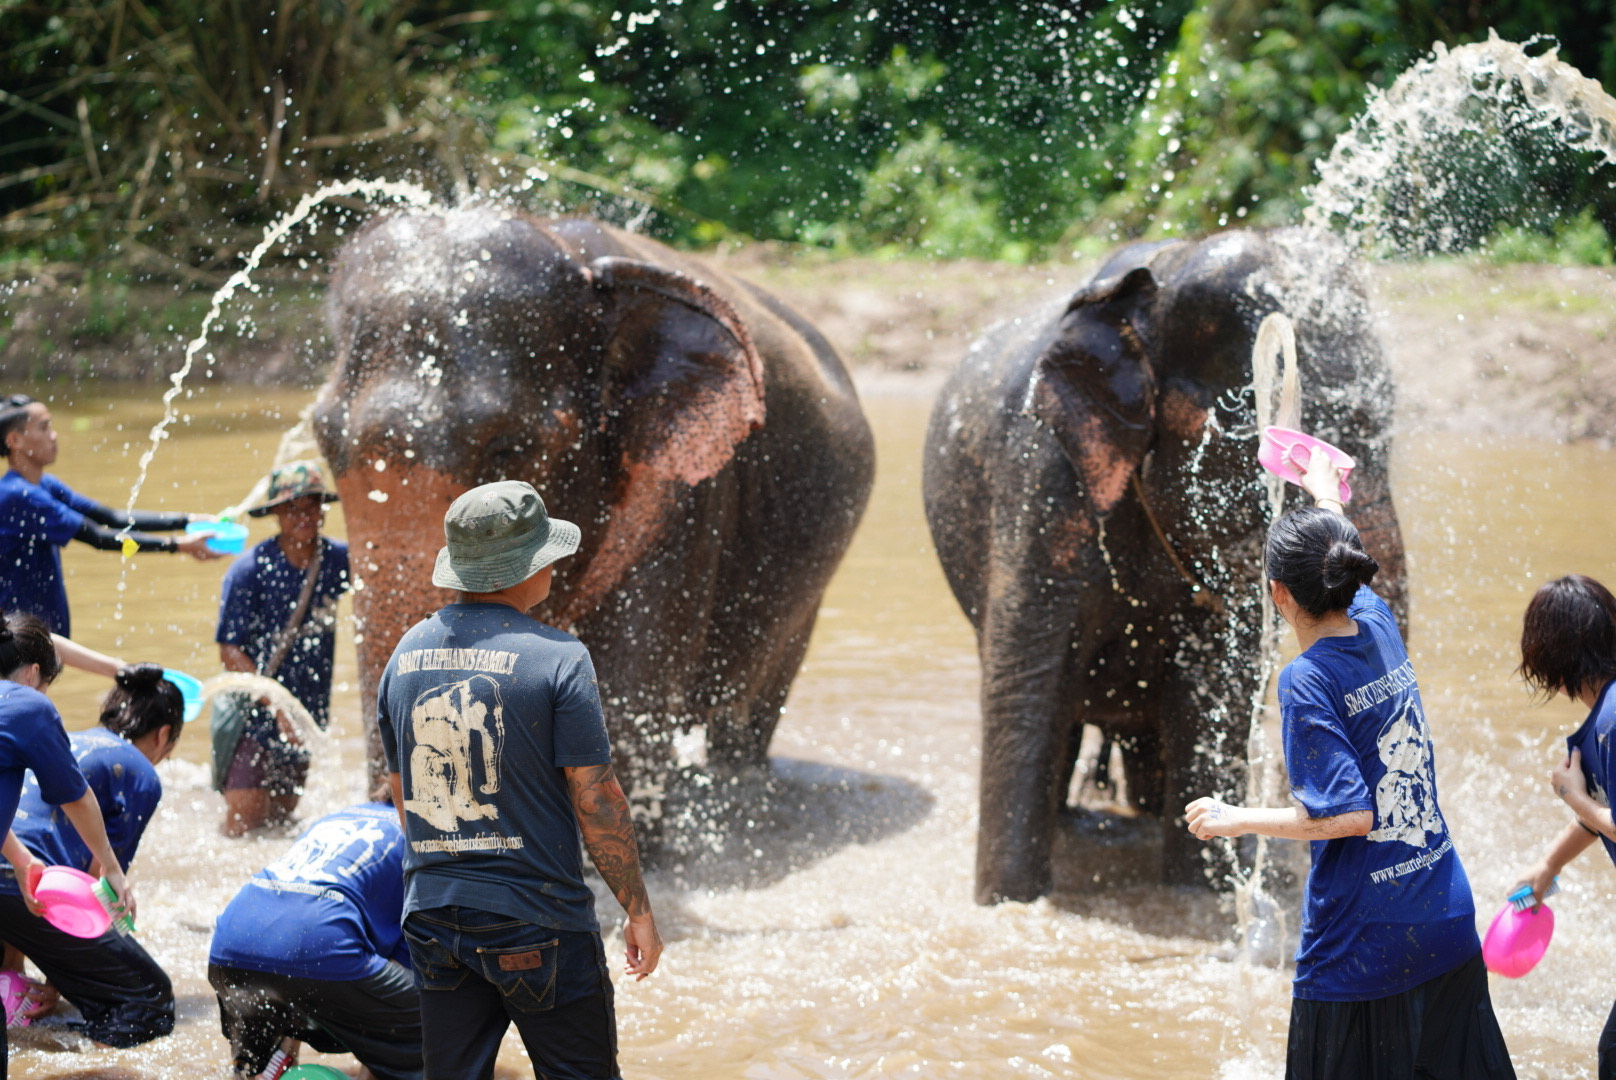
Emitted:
pixel 704 436
pixel 1092 490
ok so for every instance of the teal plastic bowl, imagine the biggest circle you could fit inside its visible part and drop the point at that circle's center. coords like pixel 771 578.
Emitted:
pixel 313 1071
pixel 190 692
pixel 228 537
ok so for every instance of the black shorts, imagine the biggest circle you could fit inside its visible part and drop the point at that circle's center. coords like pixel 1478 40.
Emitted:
pixel 376 1019
pixel 1443 1029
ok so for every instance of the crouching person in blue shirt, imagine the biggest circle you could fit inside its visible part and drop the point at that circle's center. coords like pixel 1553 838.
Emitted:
pixel 310 951
pixel 124 995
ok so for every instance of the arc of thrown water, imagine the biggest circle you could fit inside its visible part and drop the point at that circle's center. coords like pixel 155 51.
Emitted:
pixel 274 233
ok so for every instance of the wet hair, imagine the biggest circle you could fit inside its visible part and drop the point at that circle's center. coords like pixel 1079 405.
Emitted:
pixel 25 640
pixel 142 702
pixel 1568 637
pixel 13 415
pixel 1318 556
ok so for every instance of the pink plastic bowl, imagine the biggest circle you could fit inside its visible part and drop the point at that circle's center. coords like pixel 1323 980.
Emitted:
pixel 14 995
pixel 68 897
pixel 1282 450
pixel 1516 940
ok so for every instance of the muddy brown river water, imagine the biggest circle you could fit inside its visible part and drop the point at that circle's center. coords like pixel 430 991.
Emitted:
pixel 837 938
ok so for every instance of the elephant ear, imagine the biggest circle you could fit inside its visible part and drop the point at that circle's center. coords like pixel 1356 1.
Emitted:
pixel 682 383
pixel 1094 389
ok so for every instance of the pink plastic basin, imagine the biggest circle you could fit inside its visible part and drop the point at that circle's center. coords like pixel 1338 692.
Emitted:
pixel 1516 940
pixel 14 995
pixel 1282 451
pixel 68 897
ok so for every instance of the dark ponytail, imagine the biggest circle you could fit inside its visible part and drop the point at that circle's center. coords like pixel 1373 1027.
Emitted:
pixel 142 702
pixel 1317 555
pixel 25 640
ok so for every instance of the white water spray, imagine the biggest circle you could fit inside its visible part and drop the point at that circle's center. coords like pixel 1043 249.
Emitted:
pixel 274 233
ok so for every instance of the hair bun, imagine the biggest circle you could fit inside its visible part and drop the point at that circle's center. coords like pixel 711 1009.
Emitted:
pixel 1348 565
pixel 140 676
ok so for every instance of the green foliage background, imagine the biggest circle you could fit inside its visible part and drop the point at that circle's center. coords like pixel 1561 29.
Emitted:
pixel 158 138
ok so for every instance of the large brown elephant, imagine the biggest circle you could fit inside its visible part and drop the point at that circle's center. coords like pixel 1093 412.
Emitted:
pixel 1092 489
pixel 705 437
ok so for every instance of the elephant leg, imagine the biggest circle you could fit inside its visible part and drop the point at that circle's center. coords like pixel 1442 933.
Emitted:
pixel 739 737
pixel 1204 756
pixel 1142 766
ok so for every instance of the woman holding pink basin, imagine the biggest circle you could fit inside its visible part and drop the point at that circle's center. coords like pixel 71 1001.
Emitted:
pixel 124 995
pixel 32 738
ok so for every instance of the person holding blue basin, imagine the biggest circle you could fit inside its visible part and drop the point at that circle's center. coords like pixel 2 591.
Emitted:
pixel 1568 646
pixel 277 618
pixel 39 514
pixel 32 739
pixel 124 995
pixel 1390 980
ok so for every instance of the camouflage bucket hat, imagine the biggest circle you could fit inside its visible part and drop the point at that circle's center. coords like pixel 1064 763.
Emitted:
pixel 288 482
pixel 500 535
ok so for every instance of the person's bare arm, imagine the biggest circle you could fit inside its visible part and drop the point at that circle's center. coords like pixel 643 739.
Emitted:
pixel 85 659
pixel 1572 788
pixel 21 859
pixel 85 814
pixel 1573 840
pixel 608 831
pixel 235 658
pixel 1212 817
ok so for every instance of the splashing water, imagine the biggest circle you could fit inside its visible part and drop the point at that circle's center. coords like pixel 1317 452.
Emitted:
pixel 1387 182
pixel 274 233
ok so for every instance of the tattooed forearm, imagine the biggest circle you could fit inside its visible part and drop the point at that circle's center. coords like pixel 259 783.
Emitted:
pixel 608 831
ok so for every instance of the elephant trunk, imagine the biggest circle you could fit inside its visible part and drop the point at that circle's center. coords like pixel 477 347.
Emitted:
pixel 395 528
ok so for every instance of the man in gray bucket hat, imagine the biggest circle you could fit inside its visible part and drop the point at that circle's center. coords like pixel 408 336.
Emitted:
pixel 499 759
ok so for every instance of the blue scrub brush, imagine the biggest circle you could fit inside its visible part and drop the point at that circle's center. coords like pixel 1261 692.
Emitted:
pixel 1522 897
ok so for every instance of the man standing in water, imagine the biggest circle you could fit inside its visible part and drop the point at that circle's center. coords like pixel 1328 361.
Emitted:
pixel 498 757
pixel 277 617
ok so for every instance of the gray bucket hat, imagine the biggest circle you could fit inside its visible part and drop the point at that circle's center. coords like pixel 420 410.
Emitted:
pixel 498 536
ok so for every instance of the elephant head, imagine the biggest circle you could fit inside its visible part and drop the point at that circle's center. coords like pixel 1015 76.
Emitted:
pixel 1147 380
pixel 477 345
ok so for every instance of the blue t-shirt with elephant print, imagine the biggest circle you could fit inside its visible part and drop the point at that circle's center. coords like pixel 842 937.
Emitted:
pixel 482 709
pixel 1387 911
pixel 1593 738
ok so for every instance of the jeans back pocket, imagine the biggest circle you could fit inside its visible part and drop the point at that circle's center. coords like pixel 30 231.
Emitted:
pixel 436 967
pixel 525 974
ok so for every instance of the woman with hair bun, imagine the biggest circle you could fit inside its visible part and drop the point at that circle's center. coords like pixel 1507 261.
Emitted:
pixel 124 995
pixel 32 740
pixel 1389 976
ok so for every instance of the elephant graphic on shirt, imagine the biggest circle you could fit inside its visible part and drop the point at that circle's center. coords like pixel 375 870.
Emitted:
pixel 1405 798
pixel 445 778
pixel 322 845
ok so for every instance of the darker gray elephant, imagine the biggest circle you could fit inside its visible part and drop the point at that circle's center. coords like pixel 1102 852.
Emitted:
pixel 1092 490
pixel 704 436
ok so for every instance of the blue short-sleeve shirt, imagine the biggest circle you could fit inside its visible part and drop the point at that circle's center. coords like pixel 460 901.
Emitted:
pixel 36 520
pixel 32 737
pixel 330 908
pixel 126 789
pixel 1390 910
pixel 481 709
pixel 1593 738
pixel 259 595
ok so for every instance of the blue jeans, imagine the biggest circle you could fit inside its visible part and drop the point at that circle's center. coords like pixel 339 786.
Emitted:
pixel 480 972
